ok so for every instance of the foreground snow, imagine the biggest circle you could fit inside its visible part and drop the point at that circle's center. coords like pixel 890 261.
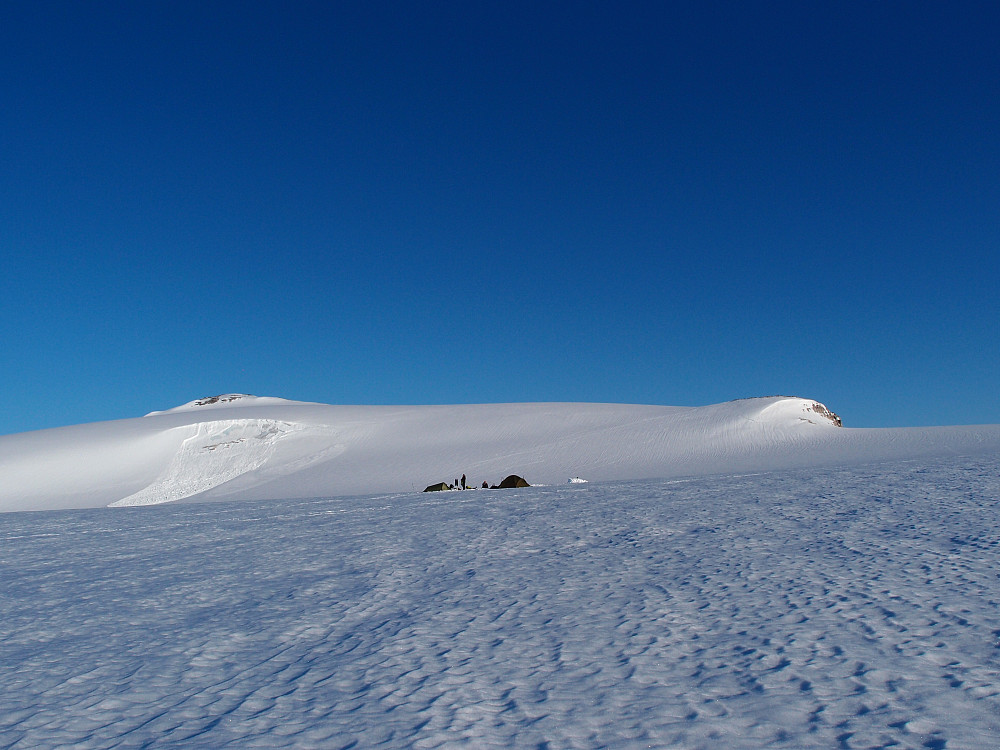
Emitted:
pixel 243 447
pixel 837 607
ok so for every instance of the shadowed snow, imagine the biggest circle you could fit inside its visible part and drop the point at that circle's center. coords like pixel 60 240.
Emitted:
pixel 851 607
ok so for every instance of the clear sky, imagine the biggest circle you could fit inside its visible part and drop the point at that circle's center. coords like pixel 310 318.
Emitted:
pixel 421 202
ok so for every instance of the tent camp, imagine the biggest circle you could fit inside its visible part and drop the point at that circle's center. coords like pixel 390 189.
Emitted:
pixel 439 487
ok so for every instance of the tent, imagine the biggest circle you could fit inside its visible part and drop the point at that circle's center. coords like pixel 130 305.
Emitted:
pixel 439 487
pixel 513 481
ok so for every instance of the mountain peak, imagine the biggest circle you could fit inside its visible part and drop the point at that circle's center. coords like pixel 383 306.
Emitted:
pixel 224 400
pixel 793 408
pixel 221 399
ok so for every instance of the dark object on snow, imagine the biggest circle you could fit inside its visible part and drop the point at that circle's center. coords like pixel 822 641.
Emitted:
pixel 513 481
pixel 439 487
pixel 463 481
pixel 486 485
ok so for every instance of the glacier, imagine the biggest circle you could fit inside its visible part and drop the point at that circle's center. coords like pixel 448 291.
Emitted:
pixel 742 575
pixel 851 606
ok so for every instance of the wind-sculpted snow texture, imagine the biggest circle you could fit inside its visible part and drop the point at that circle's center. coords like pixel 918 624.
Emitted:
pixel 853 607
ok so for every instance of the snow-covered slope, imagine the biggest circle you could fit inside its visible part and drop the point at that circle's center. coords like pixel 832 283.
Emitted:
pixel 238 446
pixel 841 607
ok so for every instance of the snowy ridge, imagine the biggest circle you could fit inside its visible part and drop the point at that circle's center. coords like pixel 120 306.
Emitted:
pixel 245 447
pixel 225 401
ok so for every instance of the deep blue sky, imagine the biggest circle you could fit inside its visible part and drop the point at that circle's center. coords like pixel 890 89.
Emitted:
pixel 674 203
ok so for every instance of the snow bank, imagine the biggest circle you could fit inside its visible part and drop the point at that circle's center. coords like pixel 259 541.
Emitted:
pixel 210 454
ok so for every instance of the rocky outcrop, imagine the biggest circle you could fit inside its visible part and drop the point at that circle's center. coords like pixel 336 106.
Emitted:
pixel 224 398
pixel 824 412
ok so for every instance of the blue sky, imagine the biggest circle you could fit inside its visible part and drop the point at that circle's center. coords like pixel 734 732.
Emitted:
pixel 467 202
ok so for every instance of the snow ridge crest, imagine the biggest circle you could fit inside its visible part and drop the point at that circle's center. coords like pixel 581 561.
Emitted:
pixel 224 401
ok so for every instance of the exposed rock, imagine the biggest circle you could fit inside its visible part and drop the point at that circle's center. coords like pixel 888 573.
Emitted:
pixel 219 399
pixel 823 411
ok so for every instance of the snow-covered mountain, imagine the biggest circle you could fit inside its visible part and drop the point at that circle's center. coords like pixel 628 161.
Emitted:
pixel 829 605
pixel 237 446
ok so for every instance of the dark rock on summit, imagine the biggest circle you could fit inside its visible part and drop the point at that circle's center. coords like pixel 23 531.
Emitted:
pixel 824 412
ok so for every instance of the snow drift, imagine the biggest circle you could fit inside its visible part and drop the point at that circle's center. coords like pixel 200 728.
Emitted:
pixel 238 446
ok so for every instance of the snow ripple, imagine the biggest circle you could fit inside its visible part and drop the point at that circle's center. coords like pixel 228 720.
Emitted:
pixel 849 607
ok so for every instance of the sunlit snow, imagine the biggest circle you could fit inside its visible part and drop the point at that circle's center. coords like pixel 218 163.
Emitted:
pixel 243 447
pixel 786 583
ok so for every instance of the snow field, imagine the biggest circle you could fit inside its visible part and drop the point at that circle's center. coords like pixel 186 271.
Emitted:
pixel 247 448
pixel 841 607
